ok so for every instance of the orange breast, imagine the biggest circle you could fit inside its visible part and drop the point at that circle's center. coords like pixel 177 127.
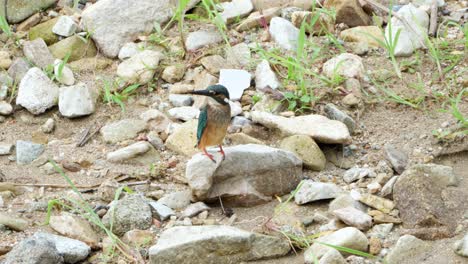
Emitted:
pixel 213 135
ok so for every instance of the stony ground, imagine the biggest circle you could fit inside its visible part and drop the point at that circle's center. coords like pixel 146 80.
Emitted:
pixel 355 157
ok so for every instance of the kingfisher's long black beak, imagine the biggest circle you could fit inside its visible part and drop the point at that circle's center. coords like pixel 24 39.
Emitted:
pixel 203 92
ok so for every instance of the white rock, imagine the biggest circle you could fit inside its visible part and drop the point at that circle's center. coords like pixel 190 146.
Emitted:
pixel 176 200
pixel 411 38
pixel 5 108
pixel 122 130
pixel 48 126
pixel 407 246
pixel 66 77
pixel 374 187
pixel 162 211
pixel 333 256
pixel 140 67
pixel 265 76
pixel 76 101
pixel 284 33
pixel 72 250
pixel 201 38
pixel 36 92
pixel 461 246
pixel 238 55
pixel 318 127
pixel 180 100
pixel 6 149
pixel 236 81
pixel 349 237
pixel 197 243
pixel 37 52
pixel 65 26
pixel 387 189
pixel 236 108
pixel 194 209
pixel 314 191
pixel 128 50
pixel 116 22
pixel 129 152
pixel 185 113
pixel 355 174
pixel 354 217
pixel 419 3
pixel 235 9
pixel 346 65
pixel 3 91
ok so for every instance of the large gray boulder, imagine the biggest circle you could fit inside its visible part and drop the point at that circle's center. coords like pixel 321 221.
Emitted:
pixel 250 174
pixel 34 251
pixel 113 23
pixel 18 10
pixel 72 250
pixel 427 196
pixel 214 244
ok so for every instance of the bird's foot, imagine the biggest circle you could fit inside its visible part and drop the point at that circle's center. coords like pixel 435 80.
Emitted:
pixel 222 152
pixel 209 155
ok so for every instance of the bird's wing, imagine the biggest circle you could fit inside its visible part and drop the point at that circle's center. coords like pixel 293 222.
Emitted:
pixel 202 121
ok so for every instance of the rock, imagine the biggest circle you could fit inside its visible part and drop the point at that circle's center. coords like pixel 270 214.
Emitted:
pixel 5 108
pixel 461 246
pixel 322 22
pixel 387 189
pixel 138 238
pixel 238 55
pixel 178 100
pixel 37 52
pixel 133 19
pixel 48 126
pixel 129 152
pixel 351 100
pixel 334 113
pixel 37 92
pixel 284 33
pixel 76 101
pixel 122 130
pixel 196 244
pixel 263 4
pixel 74 227
pixel 318 127
pixel 6 149
pixel 27 152
pixel 306 149
pixel 265 77
pixel 44 31
pixel 348 12
pixel 255 19
pixel 344 201
pixel 29 23
pixel 364 34
pixel 411 37
pixel 354 217
pixel 131 212
pixel 63 74
pixel 18 69
pixel 184 139
pixel 426 196
pixel 19 10
pixel 176 200
pixel 397 158
pixel 13 222
pixel 128 50
pixel 5 60
pixel 213 63
pixel 377 202
pixel 77 47
pixel 235 9
pixel 346 65
pixel 235 81
pixel 184 113
pixel 407 247
pixel 287 12
pixel 5 82
pixel 349 237
pixel 380 231
pixel 194 209
pixel 71 250
pixel 241 139
pixel 65 26
pixel 314 191
pixel 250 174
pixel 355 174
pixel 201 38
pixel 140 67
pixel 332 256
pixel 34 251
pixel 90 64
pixel 162 211
pixel 173 73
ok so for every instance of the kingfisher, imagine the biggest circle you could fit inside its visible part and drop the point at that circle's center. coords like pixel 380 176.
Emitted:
pixel 214 119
